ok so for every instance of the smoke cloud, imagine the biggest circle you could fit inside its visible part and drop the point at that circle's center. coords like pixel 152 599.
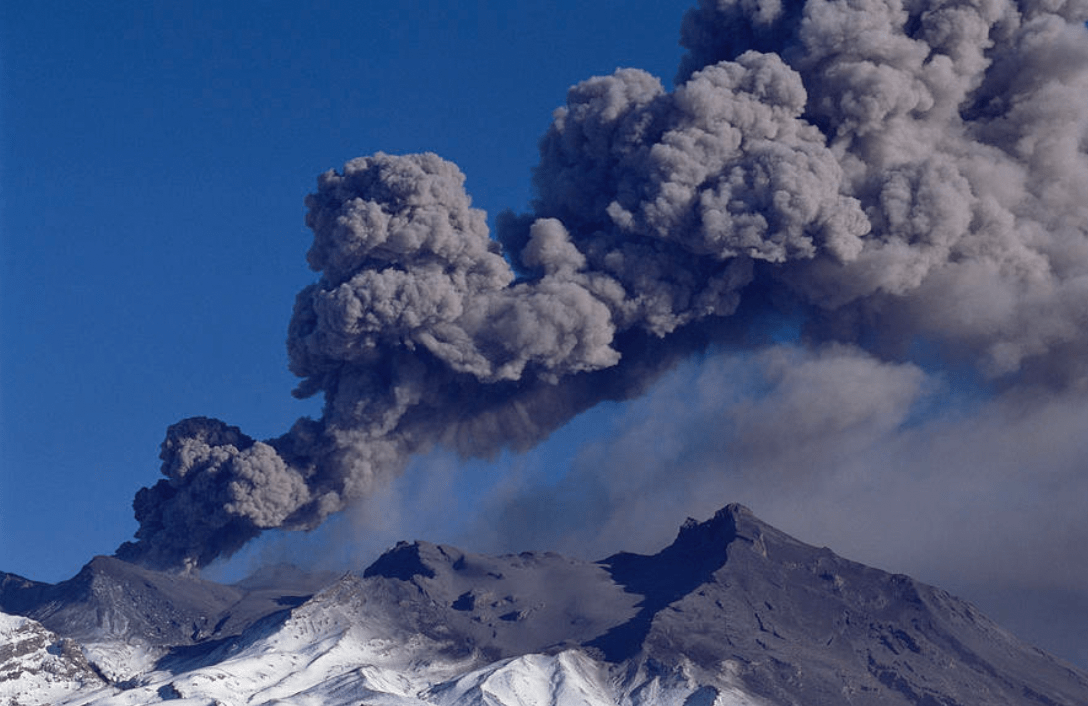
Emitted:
pixel 903 180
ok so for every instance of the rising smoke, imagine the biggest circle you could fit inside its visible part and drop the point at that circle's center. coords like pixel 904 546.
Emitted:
pixel 889 175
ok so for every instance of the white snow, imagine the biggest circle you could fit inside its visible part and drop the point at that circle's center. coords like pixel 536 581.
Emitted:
pixel 36 666
pixel 332 652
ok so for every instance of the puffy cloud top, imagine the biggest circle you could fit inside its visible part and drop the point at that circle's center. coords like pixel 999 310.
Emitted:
pixel 890 172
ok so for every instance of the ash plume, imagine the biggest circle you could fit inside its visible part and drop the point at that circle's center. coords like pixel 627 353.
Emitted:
pixel 890 174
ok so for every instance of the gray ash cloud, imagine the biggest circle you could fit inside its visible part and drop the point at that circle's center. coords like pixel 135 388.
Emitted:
pixel 889 174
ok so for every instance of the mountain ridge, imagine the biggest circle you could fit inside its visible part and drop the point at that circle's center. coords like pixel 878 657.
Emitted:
pixel 732 611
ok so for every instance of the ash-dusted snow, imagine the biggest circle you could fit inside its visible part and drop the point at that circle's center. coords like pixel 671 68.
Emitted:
pixel 732 613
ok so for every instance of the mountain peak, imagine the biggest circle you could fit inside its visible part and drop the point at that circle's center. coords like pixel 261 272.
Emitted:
pixel 731 605
pixel 409 559
pixel 110 596
pixel 731 589
pixel 720 529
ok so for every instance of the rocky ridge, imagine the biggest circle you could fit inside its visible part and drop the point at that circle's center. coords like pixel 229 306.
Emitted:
pixel 734 611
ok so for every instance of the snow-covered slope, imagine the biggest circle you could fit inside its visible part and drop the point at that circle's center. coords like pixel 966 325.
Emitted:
pixel 733 613
pixel 37 666
pixel 337 649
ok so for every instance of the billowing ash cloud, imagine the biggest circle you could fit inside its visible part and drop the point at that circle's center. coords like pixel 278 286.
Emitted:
pixel 895 175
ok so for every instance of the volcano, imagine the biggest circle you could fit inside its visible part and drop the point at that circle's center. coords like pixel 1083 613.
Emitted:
pixel 734 611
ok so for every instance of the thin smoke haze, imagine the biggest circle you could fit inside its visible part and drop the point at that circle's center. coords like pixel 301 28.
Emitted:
pixel 904 183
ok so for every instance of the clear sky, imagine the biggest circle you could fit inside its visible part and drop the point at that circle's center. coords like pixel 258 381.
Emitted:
pixel 155 158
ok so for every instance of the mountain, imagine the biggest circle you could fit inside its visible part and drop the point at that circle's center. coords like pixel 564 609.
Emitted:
pixel 732 612
pixel 126 616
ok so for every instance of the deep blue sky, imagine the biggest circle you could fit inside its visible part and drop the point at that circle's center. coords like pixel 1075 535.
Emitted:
pixel 155 160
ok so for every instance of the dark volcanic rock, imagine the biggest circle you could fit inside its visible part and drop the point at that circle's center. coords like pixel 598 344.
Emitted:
pixel 802 625
pixel 19 595
pixel 499 606
pixel 797 624
pixel 403 561
pixel 664 578
pixel 113 599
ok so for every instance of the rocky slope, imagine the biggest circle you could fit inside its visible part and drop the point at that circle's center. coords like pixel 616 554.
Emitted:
pixel 732 612
pixel 38 667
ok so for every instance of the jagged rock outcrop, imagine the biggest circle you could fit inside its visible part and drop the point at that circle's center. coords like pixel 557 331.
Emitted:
pixel 39 667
